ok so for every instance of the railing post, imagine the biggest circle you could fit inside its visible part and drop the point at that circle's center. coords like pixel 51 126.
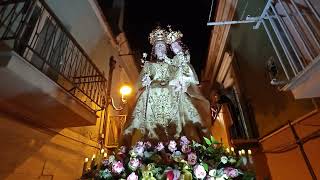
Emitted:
pixel 295 30
pixel 288 36
pixel 276 50
pixel 292 64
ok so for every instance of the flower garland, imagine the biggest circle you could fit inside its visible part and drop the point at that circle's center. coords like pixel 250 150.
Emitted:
pixel 175 160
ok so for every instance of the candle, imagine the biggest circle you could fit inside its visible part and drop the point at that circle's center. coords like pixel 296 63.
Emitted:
pixel 250 156
pixel 92 161
pixel 105 155
pixel 102 151
pixel 243 152
pixel 232 149
pixel 102 136
pixel 244 160
pixel 239 153
pixel 85 165
pixel 228 151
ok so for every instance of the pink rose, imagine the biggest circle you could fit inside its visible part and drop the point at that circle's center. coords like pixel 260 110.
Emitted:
pixel 186 149
pixel 134 163
pixel 139 150
pixel 123 149
pixel 192 158
pixel 184 140
pixel 160 146
pixel 140 143
pixel 172 146
pixel 199 172
pixel 170 175
pixel 173 174
pixel 117 167
pixel 132 176
pixel 231 172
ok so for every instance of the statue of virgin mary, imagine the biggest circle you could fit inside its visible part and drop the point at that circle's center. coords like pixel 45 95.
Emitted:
pixel 164 111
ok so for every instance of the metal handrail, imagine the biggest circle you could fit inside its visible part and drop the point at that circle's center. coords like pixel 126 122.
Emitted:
pixel 303 45
pixel 40 37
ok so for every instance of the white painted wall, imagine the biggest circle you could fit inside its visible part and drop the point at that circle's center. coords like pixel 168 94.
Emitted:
pixel 79 17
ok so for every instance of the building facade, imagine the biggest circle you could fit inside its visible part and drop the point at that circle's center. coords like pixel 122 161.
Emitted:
pixel 55 102
pixel 263 69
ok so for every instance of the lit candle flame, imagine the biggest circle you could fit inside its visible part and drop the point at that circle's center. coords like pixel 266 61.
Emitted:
pixel 86 159
pixel 243 152
pixel 249 152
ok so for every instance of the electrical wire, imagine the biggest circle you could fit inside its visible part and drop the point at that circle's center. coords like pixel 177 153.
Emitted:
pixel 293 145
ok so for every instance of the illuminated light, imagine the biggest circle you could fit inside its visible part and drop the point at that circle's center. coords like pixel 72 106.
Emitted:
pixel 249 152
pixel 227 150
pixel 239 153
pixel 232 149
pixel 86 159
pixel 105 154
pixel 102 151
pixel 125 90
pixel 93 156
pixel 243 152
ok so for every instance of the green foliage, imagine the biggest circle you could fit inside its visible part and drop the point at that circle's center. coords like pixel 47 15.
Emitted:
pixel 208 141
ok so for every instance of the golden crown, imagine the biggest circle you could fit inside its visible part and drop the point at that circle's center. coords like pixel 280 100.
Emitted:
pixel 158 34
pixel 173 36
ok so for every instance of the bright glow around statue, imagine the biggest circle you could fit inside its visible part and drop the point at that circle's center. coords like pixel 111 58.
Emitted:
pixel 125 90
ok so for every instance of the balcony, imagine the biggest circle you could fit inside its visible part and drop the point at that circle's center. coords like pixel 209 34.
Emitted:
pixel 294 31
pixel 46 77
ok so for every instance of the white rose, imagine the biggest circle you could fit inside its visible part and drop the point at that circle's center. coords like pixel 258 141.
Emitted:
pixel 132 176
pixel 213 172
pixel 112 159
pixel 172 146
pixel 144 55
pixel 199 172
pixel 224 159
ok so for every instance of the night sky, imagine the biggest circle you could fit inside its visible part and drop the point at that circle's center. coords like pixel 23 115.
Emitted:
pixel 190 17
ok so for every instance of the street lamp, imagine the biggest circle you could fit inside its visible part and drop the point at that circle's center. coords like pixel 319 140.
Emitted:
pixel 125 90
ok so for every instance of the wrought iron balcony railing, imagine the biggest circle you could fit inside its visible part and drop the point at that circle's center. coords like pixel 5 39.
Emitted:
pixel 293 29
pixel 32 29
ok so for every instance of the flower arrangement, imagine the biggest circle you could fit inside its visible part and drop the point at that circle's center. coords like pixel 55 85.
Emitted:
pixel 174 160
